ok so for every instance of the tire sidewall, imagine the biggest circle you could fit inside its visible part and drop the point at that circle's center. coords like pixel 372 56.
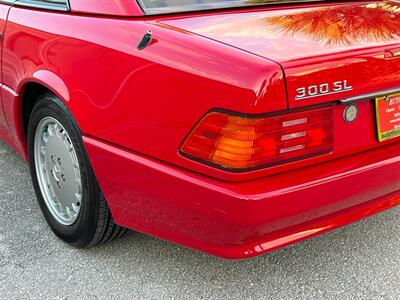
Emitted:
pixel 82 231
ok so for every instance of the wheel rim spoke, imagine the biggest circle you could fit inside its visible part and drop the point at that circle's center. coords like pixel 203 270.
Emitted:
pixel 58 171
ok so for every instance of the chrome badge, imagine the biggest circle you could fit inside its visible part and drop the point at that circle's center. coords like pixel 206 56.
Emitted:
pixel 323 89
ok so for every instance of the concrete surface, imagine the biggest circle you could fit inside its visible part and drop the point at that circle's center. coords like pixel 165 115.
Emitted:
pixel 360 261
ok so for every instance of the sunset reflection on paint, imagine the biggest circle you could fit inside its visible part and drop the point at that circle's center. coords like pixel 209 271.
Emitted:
pixel 301 31
pixel 342 25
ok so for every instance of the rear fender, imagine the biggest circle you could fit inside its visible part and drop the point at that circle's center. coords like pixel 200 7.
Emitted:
pixel 13 103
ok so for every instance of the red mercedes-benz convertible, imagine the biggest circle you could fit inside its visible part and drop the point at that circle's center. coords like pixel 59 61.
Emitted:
pixel 234 127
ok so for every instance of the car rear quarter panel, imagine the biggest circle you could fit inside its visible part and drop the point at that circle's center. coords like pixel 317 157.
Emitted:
pixel 146 101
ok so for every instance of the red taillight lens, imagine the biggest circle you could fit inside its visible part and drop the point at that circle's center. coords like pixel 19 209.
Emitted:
pixel 236 142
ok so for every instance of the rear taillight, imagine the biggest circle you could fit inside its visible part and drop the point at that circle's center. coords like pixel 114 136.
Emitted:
pixel 241 143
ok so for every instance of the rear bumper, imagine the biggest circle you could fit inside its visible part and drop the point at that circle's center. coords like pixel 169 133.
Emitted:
pixel 239 220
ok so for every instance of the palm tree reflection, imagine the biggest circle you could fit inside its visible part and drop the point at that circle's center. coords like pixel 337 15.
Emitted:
pixel 342 25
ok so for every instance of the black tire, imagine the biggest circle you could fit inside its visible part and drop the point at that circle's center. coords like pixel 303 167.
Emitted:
pixel 94 224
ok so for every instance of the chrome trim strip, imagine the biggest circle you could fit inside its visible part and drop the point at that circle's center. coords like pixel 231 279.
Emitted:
pixel 370 96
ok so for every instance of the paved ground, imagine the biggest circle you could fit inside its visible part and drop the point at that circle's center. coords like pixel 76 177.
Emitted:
pixel 361 261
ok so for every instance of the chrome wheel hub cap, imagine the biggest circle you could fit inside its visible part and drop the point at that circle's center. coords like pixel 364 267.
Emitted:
pixel 58 171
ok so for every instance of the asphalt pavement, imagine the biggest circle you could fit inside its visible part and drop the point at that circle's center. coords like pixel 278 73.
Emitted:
pixel 360 261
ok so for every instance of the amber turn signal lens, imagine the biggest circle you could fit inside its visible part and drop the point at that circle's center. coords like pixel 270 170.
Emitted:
pixel 241 143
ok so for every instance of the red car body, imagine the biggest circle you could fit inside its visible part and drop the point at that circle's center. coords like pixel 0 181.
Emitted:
pixel 136 108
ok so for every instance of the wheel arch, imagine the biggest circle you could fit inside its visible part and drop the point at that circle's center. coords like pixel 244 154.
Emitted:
pixel 30 89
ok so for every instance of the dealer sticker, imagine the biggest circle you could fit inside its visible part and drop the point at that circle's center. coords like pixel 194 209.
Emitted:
pixel 388 117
